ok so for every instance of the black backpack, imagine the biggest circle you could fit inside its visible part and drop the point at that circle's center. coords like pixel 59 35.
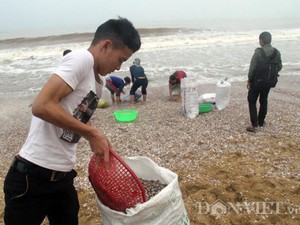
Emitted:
pixel 266 73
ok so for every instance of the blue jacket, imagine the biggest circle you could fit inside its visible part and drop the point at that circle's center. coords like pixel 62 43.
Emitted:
pixel 118 83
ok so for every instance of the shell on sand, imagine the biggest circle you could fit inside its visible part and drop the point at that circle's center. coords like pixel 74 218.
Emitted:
pixel 215 158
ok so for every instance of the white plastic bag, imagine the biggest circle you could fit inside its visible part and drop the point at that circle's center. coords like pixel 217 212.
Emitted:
pixel 165 208
pixel 189 95
pixel 126 97
pixel 223 88
pixel 207 98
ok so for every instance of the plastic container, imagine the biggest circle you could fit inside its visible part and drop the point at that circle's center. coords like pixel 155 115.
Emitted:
pixel 207 98
pixel 223 88
pixel 125 115
pixel 117 187
pixel 204 108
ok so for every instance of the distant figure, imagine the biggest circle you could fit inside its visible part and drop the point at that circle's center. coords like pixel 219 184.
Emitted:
pixel 139 79
pixel 116 85
pixel 257 85
pixel 174 85
pixel 66 51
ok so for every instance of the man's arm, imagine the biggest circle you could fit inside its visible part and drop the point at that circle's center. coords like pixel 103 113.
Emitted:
pixel 279 61
pixel 132 74
pixel 253 65
pixel 170 91
pixel 46 107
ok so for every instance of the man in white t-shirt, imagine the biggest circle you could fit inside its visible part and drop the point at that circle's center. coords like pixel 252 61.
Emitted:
pixel 40 181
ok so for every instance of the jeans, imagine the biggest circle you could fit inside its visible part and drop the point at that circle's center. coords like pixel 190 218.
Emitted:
pixel 28 200
pixel 254 93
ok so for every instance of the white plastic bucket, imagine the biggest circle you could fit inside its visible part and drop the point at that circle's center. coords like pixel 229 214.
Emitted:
pixel 223 88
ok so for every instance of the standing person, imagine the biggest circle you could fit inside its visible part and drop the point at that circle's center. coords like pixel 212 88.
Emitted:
pixel 40 181
pixel 139 79
pixel 116 85
pixel 174 85
pixel 258 85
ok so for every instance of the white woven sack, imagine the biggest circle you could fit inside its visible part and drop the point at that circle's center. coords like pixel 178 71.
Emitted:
pixel 166 208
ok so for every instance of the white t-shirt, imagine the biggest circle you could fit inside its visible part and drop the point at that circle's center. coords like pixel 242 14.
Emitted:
pixel 50 146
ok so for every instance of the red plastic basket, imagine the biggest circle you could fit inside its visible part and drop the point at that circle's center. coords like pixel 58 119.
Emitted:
pixel 117 187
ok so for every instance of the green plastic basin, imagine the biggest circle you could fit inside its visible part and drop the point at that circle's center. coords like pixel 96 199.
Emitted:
pixel 204 108
pixel 125 115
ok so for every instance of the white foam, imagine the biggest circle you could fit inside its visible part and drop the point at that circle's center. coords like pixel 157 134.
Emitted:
pixel 207 56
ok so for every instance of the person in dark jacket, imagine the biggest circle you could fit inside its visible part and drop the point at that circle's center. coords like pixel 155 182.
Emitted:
pixel 139 79
pixel 261 91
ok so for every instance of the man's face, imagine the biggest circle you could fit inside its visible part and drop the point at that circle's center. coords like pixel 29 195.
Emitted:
pixel 112 59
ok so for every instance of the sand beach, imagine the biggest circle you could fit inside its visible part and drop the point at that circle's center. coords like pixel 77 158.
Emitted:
pixel 216 160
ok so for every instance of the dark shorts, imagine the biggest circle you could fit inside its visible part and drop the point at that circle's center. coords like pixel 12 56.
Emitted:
pixel 112 88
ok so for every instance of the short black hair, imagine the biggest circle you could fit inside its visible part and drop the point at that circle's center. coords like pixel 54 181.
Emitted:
pixel 173 76
pixel 121 32
pixel 66 51
pixel 266 37
pixel 127 80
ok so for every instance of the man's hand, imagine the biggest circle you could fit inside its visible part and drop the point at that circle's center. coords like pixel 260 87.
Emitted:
pixel 248 85
pixel 100 145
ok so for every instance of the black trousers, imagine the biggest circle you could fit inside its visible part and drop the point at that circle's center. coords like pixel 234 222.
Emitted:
pixel 29 199
pixel 254 93
pixel 139 83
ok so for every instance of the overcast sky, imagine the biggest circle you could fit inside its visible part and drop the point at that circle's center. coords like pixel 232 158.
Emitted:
pixel 27 14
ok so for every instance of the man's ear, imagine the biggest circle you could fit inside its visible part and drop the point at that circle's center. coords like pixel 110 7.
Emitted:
pixel 106 44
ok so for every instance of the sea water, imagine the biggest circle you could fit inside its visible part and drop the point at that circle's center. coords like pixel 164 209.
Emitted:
pixel 207 52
